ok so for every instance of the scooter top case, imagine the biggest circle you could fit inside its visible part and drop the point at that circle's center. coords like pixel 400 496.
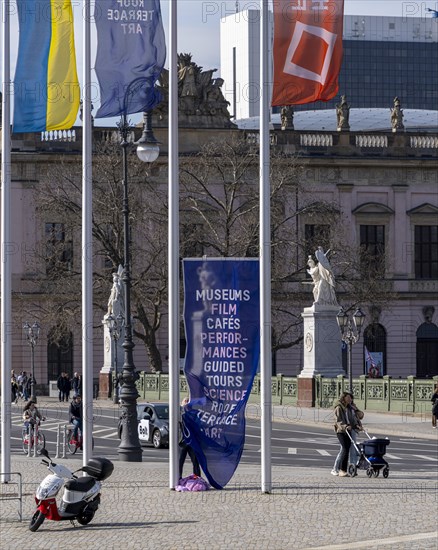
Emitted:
pixel 99 468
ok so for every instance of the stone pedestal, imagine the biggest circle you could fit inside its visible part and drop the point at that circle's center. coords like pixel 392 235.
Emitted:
pixel 109 360
pixel 105 385
pixel 322 350
pixel 306 392
pixel 322 342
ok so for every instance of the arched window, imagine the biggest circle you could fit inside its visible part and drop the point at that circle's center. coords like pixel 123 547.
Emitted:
pixel 374 340
pixel 427 350
pixel 59 356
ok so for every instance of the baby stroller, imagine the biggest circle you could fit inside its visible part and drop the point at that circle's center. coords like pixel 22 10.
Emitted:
pixel 370 455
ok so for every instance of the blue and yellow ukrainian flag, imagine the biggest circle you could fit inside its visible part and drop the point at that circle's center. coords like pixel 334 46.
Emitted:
pixel 46 87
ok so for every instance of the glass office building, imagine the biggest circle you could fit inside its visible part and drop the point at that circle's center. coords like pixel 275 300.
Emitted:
pixel 372 75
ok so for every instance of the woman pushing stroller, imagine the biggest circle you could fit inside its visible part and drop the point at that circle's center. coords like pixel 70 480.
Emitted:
pixel 347 418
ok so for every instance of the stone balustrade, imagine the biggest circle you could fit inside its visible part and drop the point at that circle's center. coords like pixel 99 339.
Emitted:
pixel 424 142
pixel 371 141
pixel 405 395
pixel 59 135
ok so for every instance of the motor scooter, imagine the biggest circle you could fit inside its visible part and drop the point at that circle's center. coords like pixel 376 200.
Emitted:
pixel 81 497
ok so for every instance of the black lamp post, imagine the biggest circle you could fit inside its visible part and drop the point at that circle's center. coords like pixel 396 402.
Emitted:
pixel 129 448
pixel 32 335
pixel 350 334
pixel 115 325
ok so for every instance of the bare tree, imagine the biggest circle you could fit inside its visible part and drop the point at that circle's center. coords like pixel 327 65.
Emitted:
pixel 59 199
pixel 220 216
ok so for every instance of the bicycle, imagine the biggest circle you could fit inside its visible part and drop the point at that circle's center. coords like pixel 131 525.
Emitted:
pixel 36 437
pixel 74 444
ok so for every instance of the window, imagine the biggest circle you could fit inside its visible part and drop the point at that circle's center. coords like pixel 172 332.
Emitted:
pixel 426 252
pixel 316 235
pixel 59 357
pixel 372 245
pixel 375 344
pixel 59 251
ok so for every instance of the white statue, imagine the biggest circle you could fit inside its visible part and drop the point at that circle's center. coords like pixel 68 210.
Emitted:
pixel 323 279
pixel 116 301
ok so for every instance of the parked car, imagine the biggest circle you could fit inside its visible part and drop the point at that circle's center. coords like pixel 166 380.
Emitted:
pixel 153 424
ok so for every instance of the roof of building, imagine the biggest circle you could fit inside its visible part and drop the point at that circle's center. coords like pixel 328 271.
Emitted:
pixel 361 120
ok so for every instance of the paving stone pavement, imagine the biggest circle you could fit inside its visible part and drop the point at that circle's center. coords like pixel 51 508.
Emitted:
pixel 307 508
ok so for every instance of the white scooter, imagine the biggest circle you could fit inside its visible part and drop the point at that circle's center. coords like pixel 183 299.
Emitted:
pixel 81 496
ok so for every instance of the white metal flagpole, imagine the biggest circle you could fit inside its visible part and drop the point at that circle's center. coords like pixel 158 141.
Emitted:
pixel 6 252
pixel 265 256
pixel 173 251
pixel 87 245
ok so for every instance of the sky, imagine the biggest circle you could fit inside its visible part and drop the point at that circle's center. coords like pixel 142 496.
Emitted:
pixel 199 24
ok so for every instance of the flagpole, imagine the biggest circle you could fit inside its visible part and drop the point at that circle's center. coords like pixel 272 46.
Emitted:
pixel 173 251
pixel 87 245
pixel 265 256
pixel 6 251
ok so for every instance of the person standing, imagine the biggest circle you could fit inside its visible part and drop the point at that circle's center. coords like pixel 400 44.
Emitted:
pixel 14 389
pixel 67 387
pixel 60 386
pixel 434 407
pixel 184 448
pixel 76 384
pixel 25 381
pixel 345 420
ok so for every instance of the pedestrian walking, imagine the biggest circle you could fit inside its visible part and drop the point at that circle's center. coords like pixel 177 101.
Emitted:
pixel 434 407
pixel 352 458
pixel 184 448
pixel 345 420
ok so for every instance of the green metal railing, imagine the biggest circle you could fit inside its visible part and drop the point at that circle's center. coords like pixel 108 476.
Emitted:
pixel 409 394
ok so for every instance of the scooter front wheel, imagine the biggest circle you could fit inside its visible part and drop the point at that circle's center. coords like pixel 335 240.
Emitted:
pixel 36 521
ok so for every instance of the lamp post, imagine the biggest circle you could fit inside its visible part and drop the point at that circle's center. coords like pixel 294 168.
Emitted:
pixel 32 334
pixel 350 334
pixel 115 325
pixel 147 151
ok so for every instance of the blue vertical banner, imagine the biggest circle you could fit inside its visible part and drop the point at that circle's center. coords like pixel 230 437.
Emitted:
pixel 222 325
pixel 131 51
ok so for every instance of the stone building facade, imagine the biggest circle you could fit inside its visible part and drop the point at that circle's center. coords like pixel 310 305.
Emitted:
pixel 386 186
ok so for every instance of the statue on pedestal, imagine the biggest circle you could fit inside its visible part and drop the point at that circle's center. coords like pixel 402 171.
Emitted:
pixel 397 116
pixel 287 118
pixel 323 279
pixel 116 301
pixel 343 114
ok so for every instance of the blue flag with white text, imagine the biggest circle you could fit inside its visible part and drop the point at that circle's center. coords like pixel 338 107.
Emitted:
pixel 222 325
pixel 131 52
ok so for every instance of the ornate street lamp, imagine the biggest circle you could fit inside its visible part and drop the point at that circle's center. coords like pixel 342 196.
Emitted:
pixel 350 334
pixel 148 147
pixel 115 325
pixel 32 334
pixel 129 448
